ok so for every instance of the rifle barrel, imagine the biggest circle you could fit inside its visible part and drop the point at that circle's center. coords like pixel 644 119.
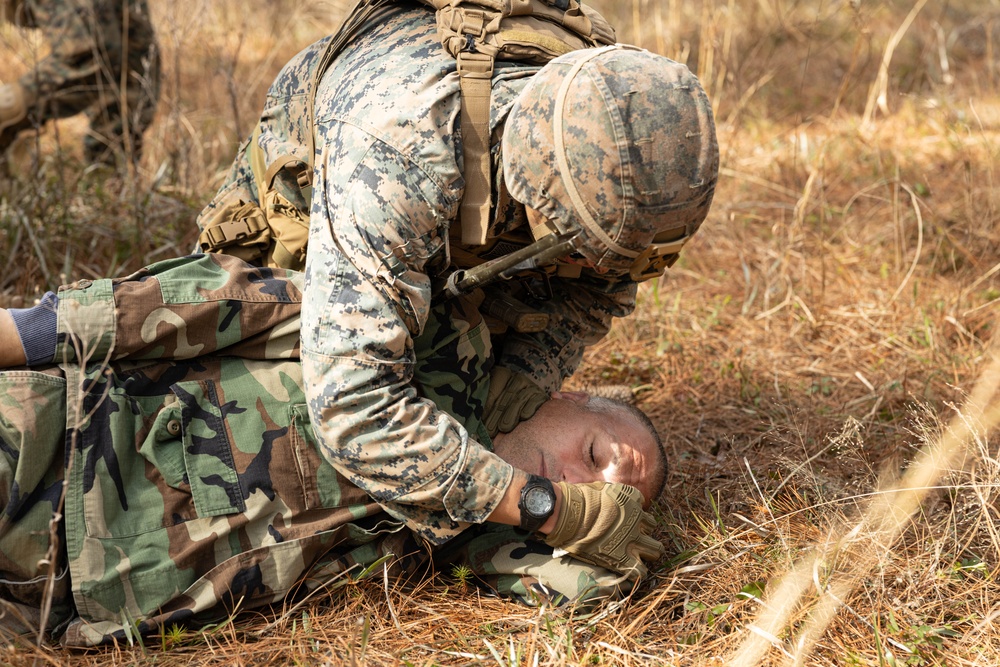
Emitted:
pixel 540 252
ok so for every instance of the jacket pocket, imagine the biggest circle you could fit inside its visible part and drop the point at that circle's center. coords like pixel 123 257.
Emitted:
pixel 322 486
pixel 208 453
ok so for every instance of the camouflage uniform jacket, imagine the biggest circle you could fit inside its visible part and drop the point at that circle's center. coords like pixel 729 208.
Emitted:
pixel 193 485
pixel 386 190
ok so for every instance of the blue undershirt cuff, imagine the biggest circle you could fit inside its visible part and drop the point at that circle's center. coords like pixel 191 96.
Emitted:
pixel 37 328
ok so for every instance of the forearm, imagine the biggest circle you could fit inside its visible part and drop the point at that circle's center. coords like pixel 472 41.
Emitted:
pixel 11 350
pixel 415 460
pixel 410 465
pixel 507 511
pixel 172 310
pixel 181 309
pixel 581 313
pixel 197 305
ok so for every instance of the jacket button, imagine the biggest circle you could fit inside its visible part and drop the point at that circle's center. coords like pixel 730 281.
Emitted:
pixel 174 427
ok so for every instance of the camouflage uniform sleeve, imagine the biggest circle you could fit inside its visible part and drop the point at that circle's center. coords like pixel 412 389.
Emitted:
pixel 181 309
pixel 379 222
pixel 582 310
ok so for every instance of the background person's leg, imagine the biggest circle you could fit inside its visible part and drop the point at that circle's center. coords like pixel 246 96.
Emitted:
pixel 84 71
pixel 65 82
pixel 126 43
pixel 13 113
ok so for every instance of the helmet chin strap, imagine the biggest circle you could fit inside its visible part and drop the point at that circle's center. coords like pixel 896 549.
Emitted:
pixel 540 225
pixel 560 147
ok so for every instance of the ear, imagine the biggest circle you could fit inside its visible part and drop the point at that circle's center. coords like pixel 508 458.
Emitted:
pixel 579 397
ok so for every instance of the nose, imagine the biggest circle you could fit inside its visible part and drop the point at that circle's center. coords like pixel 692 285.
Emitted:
pixel 578 473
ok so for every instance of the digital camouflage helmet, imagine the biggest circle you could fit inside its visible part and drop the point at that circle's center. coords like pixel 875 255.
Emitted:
pixel 620 143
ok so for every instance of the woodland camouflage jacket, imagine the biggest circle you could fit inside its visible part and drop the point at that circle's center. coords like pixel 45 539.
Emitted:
pixel 194 483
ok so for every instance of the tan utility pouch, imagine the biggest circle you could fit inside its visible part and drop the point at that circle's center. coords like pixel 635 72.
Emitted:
pixel 236 228
pixel 276 232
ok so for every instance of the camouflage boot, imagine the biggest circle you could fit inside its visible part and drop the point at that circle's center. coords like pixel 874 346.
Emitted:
pixel 13 113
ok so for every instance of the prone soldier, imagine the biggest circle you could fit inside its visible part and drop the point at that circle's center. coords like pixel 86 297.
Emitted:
pixel 194 483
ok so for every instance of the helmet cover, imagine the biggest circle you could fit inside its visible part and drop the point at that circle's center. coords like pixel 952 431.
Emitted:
pixel 618 142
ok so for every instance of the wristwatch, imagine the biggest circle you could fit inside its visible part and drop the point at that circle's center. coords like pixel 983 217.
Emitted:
pixel 537 503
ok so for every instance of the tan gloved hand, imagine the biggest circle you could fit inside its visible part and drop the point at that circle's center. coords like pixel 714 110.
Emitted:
pixel 604 524
pixel 513 397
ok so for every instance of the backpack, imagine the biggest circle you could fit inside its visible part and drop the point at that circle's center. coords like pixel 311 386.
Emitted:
pixel 477 33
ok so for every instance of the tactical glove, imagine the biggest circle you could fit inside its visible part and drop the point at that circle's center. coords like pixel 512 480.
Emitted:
pixel 604 524
pixel 513 398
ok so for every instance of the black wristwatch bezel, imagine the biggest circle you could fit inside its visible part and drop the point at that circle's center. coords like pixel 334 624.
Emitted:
pixel 530 521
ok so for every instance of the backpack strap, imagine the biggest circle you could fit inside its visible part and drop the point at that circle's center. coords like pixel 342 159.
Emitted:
pixel 476 72
pixel 477 33
pixel 360 13
pixel 463 31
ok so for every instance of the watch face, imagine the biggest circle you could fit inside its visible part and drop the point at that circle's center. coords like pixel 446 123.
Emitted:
pixel 539 501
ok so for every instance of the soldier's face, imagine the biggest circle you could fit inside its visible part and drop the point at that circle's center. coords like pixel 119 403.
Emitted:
pixel 564 441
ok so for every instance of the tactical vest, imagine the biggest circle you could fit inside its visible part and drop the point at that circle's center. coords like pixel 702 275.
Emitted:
pixel 476 33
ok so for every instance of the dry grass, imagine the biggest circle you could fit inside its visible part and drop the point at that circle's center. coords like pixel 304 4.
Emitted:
pixel 833 314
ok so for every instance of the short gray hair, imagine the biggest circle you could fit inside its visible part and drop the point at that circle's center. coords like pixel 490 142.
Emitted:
pixel 612 406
